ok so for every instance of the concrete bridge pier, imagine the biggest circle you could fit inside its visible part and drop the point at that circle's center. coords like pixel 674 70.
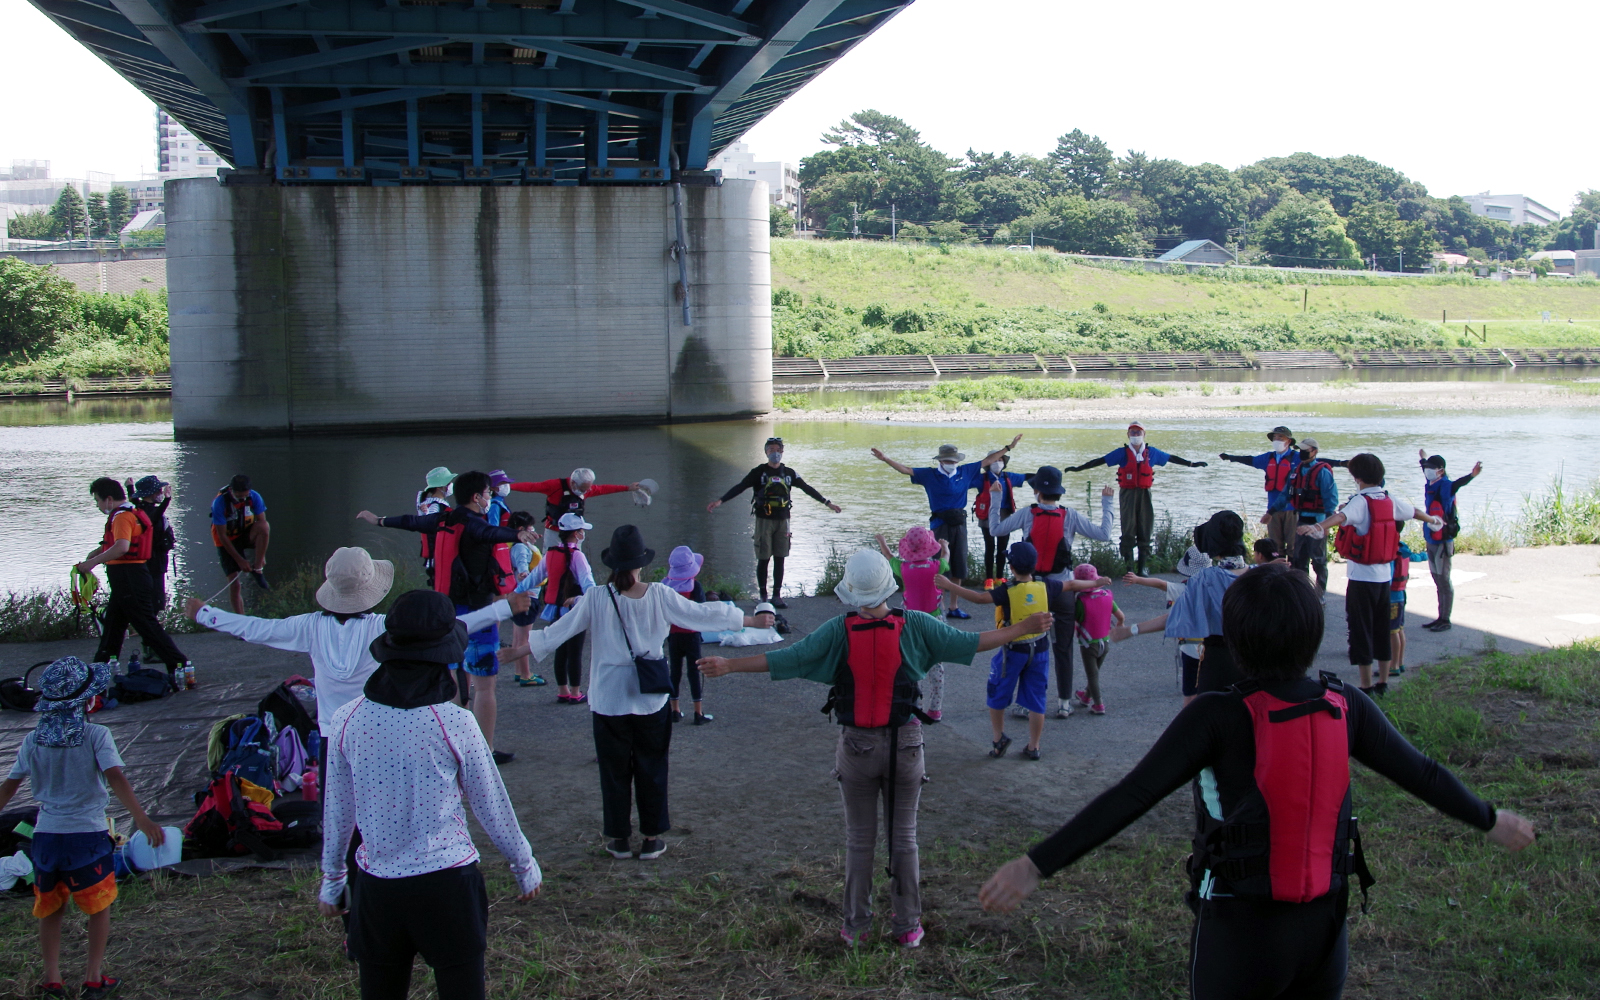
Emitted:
pixel 326 309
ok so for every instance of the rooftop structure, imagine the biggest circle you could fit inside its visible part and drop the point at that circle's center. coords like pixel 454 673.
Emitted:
pixel 783 180
pixel 1199 252
pixel 1516 209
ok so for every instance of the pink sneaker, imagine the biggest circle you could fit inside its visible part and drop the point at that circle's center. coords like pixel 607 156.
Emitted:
pixel 852 940
pixel 1083 698
pixel 935 714
pixel 911 938
pixel 1098 708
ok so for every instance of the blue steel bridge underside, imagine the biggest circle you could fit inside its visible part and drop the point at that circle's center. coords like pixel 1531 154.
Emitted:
pixel 468 91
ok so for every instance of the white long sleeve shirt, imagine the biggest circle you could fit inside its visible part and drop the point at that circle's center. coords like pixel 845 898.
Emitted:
pixel 1359 516
pixel 1077 524
pixel 401 775
pixel 613 681
pixel 340 659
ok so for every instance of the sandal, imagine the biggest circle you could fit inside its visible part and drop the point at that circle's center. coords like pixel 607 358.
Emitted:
pixel 999 746
pixel 577 699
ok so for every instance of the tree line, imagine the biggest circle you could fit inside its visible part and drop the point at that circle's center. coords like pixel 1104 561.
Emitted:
pixel 72 217
pixel 1300 210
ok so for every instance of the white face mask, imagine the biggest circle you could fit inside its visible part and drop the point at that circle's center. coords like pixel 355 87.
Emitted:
pixel 1136 440
pixel 946 465
pixel 504 489
pixel 1433 474
pixel 1280 446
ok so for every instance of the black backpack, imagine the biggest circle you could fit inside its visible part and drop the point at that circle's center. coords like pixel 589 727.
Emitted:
pixel 287 710
pixel 16 695
pixel 302 824
pixel 144 684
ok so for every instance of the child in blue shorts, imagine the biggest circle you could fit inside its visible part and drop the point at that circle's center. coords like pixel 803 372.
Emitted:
pixel 69 763
pixel 1020 670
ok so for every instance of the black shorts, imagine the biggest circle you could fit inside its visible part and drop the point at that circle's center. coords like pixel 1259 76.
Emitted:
pixel 1366 610
pixel 229 567
pixel 956 535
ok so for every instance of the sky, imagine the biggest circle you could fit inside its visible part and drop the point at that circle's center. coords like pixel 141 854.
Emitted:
pixel 1457 97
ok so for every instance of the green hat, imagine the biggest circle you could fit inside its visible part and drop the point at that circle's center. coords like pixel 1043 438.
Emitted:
pixel 440 476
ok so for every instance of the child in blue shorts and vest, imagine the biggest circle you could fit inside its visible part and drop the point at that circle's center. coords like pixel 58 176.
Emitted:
pixel 1020 670
pixel 69 763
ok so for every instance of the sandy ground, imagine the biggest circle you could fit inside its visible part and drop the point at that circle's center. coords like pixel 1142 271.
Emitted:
pixel 1255 400
pixel 752 789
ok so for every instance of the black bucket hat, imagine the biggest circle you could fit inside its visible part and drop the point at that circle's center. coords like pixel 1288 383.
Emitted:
pixel 422 626
pixel 1221 536
pixel 627 549
pixel 1280 430
pixel 1046 480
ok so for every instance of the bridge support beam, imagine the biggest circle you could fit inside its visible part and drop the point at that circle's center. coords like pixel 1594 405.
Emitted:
pixel 334 309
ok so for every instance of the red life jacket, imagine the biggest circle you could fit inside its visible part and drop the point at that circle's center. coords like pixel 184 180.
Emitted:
pixel 1436 509
pixel 1289 838
pixel 1279 469
pixel 872 688
pixel 441 507
pixel 1381 543
pixel 462 569
pixel 141 545
pixel 560 582
pixel 1402 572
pixel 570 503
pixel 1048 533
pixel 1306 495
pixel 980 503
pixel 1135 473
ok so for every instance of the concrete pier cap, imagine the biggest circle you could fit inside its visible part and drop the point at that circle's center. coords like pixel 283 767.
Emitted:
pixel 337 309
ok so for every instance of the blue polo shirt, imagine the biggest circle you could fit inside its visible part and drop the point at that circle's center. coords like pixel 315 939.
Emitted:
pixel 948 492
pixel 1277 499
pixel 1156 456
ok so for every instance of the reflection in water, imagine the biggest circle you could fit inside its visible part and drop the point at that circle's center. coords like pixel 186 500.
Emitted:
pixel 54 411
pixel 314 485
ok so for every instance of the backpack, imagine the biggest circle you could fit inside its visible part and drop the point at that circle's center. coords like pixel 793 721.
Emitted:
pixel 227 823
pixel 291 758
pixel 286 708
pixel 144 684
pixel 302 825
pixel 217 741
pixel 16 695
pixel 252 752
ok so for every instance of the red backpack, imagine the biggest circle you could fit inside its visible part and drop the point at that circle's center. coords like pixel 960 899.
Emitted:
pixel 228 823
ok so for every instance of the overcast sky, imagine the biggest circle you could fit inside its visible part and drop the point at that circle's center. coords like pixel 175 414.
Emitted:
pixel 1462 97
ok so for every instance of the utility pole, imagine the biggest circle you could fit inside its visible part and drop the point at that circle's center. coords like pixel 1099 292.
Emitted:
pixel 1030 238
pixel 893 232
pixel 1402 261
pixel 855 222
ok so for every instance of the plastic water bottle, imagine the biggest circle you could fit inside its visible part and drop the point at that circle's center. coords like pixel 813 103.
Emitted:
pixel 308 785
pixel 133 663
pixel 188 676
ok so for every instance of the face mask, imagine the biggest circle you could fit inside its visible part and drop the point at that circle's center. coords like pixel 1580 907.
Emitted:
pixel 947 466
pixel 774 457
pixel 1280 446
pixel 504 489
pixel 1304 454
pixel 1136 440
pixel 1433 474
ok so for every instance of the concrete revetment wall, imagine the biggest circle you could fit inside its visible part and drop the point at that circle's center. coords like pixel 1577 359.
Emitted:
pixel 323 309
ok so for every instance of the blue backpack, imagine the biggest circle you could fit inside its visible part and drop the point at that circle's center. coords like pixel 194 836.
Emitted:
pixel 251 752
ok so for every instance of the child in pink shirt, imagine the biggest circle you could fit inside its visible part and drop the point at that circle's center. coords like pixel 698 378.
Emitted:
pixel 921 558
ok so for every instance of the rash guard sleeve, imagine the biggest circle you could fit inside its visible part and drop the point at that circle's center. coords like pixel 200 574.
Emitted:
pixel 1376 743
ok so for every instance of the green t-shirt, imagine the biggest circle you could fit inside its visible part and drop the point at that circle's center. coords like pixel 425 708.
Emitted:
pixel 924 643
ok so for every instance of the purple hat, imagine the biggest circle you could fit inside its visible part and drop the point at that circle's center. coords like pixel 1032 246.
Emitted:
pixel 683 565
pixel 498 476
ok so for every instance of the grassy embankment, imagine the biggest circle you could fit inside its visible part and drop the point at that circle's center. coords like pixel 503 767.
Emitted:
pixel 1451 917
pixel 839 299
pixel 50 330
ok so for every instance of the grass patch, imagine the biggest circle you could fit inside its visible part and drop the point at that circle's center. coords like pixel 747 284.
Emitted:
pixel 1559 517
pixel 983 393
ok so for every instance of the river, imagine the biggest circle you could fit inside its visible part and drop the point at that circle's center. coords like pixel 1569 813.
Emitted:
pixel 313 486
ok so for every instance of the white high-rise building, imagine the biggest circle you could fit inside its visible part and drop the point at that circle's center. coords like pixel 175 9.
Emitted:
pixel 783 180
pixel 179 153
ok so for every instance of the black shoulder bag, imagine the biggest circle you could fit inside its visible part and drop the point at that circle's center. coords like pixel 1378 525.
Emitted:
pixel 654 677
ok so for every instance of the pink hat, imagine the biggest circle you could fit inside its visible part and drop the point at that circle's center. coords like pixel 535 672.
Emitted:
pixel 1085 571
pixel 918 543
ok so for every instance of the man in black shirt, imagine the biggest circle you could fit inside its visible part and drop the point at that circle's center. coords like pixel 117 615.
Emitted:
pixel 1269 906
pixel 772 489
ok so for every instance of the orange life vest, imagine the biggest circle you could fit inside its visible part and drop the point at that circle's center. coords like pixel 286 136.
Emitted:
pixel 872 688
pixel 1048 534
pixel 1135 473
pixel 1279 469
pixel 140 545
pixel 1381 543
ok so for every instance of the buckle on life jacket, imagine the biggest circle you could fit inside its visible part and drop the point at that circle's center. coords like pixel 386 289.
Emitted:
pixel 1306 708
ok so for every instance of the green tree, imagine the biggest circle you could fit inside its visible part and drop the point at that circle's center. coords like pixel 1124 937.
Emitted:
pixel 1074 224
pixel 119 208
pixel 1301 231
pixel 779 222
pixel 67 216
pixel 879 160
pixel 34 225
pixel 1203 202
pixel 98 215
pixel 1084 161
pixel 36 306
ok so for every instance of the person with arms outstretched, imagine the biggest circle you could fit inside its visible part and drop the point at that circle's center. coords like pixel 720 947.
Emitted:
pixel 772 487
pixel 1136 463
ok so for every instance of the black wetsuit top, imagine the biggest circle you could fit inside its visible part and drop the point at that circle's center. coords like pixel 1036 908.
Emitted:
pixel 1215 731
pixel 752 482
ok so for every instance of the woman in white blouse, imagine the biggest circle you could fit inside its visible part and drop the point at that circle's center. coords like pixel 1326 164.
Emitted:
pixel 632 732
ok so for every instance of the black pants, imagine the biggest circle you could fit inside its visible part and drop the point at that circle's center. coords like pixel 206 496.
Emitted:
pixel 1218 672
pixel 1138 522
pixel 442 916
pixel 1263 950
pixel 1310 551
pixel 1061 646
pixel 132 604
pixel 569 661
pixel 994 552
pixel 683 649
pixel 1366 611
pixel 633 767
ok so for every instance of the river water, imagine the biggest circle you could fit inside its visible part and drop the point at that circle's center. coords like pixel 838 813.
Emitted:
pixel 313 486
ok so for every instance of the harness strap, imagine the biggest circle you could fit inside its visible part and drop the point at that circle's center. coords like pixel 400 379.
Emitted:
pixel 1305 708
